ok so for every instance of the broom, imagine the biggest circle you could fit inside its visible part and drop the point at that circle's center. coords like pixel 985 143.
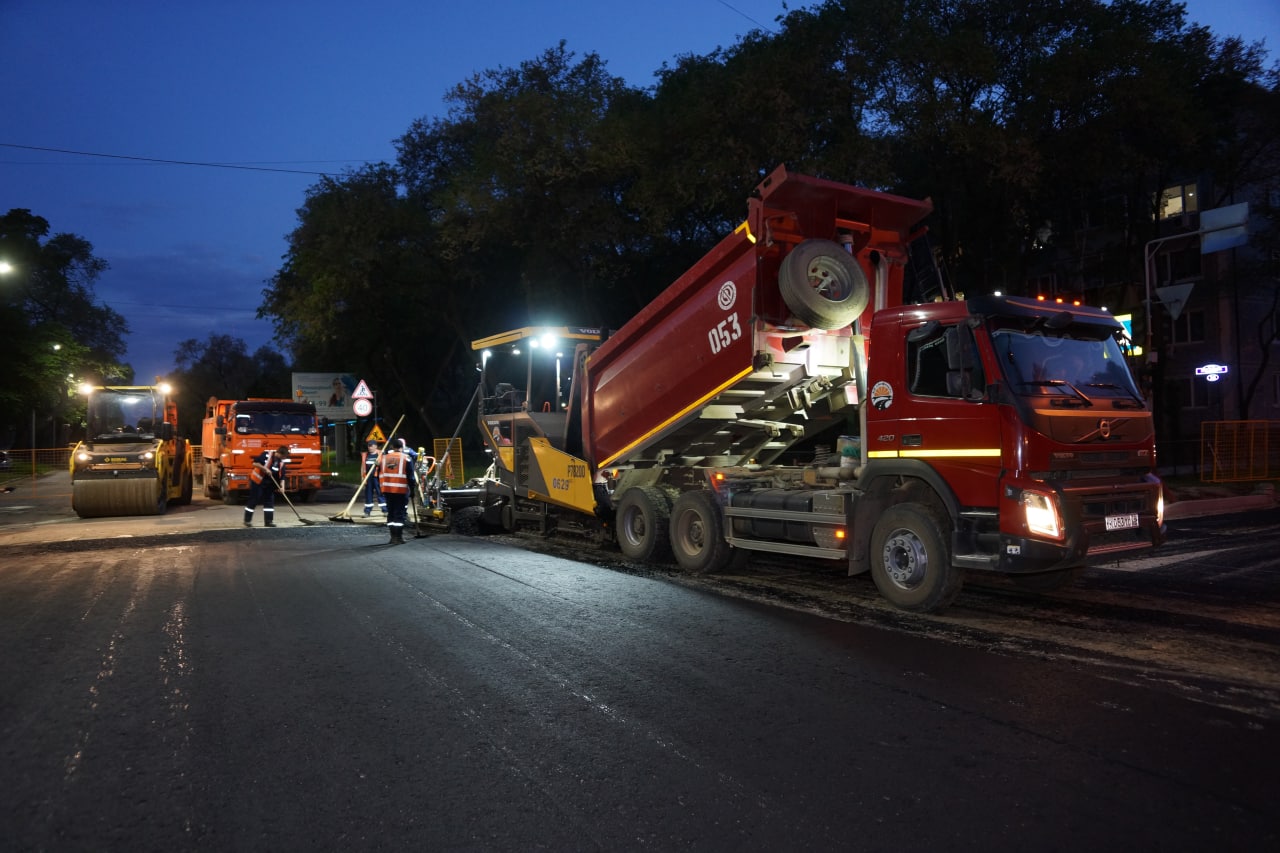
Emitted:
pixel 345 515
pixel 285 495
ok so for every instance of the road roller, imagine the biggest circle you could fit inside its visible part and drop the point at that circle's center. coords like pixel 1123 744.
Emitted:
pixel 131 461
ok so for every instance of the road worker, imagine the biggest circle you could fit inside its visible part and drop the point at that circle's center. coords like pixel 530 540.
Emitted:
pixel 265 479
pixel 372 491
pixel 395 471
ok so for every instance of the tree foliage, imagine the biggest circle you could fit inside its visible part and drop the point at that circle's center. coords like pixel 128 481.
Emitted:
pixel 221 367
pixel 54 333
pixel 554 193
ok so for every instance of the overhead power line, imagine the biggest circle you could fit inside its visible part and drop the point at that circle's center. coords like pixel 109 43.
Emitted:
pixel 733 8
pixel 166 162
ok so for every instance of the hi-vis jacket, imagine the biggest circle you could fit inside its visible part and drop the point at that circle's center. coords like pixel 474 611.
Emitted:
pixel 394 473
pixel 273 462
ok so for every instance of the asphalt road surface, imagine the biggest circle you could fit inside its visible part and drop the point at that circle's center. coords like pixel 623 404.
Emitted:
pixel 310 687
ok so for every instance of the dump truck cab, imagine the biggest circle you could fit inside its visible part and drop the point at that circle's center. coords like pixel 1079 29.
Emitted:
pixel 1025 421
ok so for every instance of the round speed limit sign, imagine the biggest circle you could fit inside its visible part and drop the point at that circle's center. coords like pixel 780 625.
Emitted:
pixel 362 408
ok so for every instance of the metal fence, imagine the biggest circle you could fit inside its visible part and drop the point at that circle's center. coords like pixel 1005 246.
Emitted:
pixel 1238 451
pixel 23 462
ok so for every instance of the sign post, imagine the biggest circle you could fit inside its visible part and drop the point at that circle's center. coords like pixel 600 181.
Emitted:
pixel 362 405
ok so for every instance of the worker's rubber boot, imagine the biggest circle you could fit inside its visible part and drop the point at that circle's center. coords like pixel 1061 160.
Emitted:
pixel 269 518
pixel 248 518
pixel 397 536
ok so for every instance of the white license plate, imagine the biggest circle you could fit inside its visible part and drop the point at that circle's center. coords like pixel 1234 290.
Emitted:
pixel 1122 522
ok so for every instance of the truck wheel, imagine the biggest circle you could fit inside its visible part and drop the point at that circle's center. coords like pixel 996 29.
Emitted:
pixel 823 285
pixel 909 560
pixel 643 524
pixel 228 496
pixel 697 534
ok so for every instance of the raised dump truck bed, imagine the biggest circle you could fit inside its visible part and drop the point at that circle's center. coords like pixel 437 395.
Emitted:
pixel 732 360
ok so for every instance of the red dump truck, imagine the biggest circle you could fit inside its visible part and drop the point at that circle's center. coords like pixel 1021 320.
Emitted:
pixel 780 398
pixel 235 431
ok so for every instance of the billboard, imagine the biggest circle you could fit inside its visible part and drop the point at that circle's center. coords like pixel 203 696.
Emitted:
pixel 331 393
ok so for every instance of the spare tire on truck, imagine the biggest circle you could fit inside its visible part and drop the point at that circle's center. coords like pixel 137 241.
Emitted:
pixel 823 285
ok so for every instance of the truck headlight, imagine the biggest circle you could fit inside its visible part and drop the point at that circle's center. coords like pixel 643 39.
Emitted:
pixel 1041 513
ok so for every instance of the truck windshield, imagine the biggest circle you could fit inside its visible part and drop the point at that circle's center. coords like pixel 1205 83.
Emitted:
pixel 1081 363
pixel 275 423
pixel 124 416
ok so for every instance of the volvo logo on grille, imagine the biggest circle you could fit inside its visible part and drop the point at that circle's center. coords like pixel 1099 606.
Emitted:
pixel 1104 428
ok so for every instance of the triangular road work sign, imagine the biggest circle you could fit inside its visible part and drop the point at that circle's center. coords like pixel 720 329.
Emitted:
pixel 1174 297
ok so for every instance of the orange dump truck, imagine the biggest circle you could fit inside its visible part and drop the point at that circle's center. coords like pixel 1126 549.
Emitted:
pixel 235 431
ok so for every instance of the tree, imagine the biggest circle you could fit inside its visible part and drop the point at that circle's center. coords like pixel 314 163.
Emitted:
pixel 523 196
pixel 221 367
pixel 553 193
pixel 364 286
pixel 53 332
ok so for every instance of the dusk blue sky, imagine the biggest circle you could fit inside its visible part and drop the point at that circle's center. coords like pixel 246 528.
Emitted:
pixel 285 84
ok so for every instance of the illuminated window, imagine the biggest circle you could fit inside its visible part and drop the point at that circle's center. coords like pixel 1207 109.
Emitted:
pixel 1178 200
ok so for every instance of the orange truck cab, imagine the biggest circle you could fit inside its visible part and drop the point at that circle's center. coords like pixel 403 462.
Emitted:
pixel 235 431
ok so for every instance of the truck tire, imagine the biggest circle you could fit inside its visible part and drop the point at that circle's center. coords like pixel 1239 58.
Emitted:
pixel 909 560
pixel 823 285
pixel 228 496
pixel 697 534
pixel 643 524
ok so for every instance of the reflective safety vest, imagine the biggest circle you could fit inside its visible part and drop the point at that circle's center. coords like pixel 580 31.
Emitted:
pixel 273 462
pixel 394 473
